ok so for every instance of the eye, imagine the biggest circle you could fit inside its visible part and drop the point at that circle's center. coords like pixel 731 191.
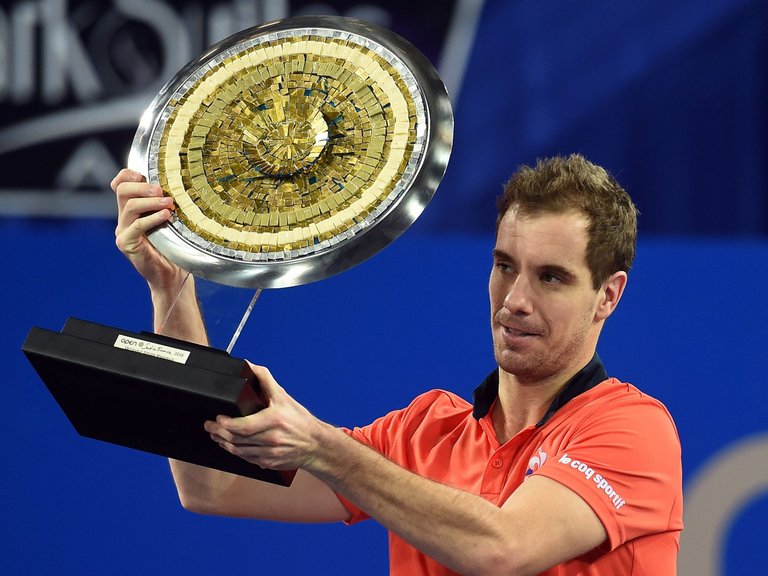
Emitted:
pixel 550 278
pixel 502 266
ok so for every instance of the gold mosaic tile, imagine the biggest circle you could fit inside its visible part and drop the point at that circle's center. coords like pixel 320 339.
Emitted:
pixel 290 142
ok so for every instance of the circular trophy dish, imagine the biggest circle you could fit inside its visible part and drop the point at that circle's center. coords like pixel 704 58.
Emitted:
pixel 294 150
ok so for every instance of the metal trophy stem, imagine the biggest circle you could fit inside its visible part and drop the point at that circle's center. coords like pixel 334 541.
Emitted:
pixel 244 319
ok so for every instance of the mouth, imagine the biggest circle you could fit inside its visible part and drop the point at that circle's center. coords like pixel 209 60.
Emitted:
pixel 517 333
pixel 514 336
pixel 515 340
pixel 514 331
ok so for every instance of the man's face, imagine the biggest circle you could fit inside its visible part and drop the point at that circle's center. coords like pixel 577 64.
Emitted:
pixel 543 304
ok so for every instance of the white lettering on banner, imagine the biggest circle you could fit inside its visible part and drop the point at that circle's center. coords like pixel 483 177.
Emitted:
pixel 600 482
pixel 63 58
pixel 151 349
pixel 86 84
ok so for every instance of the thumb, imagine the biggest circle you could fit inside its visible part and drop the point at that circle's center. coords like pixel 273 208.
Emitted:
pixel 269 389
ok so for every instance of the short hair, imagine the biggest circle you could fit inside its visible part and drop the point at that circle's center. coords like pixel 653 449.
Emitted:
pixel 560 184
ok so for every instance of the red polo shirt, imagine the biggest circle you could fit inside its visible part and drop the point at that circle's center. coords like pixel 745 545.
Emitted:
pixel 611 444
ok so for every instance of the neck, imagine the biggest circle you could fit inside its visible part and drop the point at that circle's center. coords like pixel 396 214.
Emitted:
pixel 521 405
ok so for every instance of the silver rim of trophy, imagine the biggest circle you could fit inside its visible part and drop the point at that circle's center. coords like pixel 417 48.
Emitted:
pixel 294 150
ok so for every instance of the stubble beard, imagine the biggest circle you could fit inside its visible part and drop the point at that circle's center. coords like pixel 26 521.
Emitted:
pixel 539 365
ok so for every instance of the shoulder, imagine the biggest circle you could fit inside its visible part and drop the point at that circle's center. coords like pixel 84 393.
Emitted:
pixel 439 404
pixel 439 400
pixel 434 410
pixel 613 401
pixel 618 448
pixel 618 422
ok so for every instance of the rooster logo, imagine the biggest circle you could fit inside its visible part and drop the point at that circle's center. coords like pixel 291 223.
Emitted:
pixel 536 462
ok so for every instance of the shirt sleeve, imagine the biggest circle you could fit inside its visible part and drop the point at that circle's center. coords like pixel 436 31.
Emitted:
pixel 356 514
pixel 393 434
pixel 624 460
pixel 377 436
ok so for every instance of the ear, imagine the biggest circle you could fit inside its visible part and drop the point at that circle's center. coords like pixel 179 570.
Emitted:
pixel 610 294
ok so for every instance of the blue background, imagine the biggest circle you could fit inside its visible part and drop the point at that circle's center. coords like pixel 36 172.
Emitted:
pixel 670 96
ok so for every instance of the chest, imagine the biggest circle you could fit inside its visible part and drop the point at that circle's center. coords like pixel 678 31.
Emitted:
pixel 469 458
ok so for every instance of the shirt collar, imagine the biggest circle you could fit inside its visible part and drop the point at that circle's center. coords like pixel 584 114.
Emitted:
pixel 588 377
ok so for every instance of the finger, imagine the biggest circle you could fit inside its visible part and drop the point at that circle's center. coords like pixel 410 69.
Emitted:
pixel 243 428
pixel 130 235
pixel 137 208
pixel 235 430
pixel 268 386
pixel 273 457
pixel 150 221
pixel 133 235
pixel 245 448
pixel 128 191
pixel 237 444
pixel 125 175
pixel 221 441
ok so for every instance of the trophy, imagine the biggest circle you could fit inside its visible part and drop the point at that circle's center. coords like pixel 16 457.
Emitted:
pixel 293 151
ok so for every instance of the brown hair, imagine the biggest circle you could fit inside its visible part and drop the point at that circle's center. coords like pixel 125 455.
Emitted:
pixel 560 184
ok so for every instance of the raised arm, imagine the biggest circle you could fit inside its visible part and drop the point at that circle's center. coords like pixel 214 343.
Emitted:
pixel 142 207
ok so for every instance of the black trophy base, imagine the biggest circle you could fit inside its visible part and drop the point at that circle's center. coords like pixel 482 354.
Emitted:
pixel 147 392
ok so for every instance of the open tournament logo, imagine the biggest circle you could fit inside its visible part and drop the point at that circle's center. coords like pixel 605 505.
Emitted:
pixel 76 75
pixel 536 462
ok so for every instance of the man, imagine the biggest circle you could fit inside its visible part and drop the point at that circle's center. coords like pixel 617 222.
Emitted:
pixel 556 469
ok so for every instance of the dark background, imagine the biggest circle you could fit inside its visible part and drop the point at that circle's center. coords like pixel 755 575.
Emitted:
pixel 669 96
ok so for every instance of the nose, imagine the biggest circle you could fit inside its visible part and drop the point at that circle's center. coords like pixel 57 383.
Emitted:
pixel 519 296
